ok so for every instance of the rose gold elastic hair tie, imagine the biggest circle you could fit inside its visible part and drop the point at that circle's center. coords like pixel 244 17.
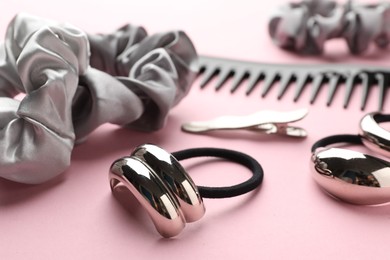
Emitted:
pixel 163 187
pixel 350 175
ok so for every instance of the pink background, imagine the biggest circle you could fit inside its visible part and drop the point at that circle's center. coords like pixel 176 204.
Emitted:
pixel 76 217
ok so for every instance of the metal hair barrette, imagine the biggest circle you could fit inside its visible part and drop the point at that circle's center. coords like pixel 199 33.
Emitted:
pixel 265 122
pixel 167 192
pixel 350 175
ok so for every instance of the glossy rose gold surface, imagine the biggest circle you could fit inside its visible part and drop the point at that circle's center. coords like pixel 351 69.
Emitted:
pixel 151 192
pixel 352 176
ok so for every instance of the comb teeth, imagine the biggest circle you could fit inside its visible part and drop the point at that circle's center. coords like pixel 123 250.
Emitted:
pixel 334 75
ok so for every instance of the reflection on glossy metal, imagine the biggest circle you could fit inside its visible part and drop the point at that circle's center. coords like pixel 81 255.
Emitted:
pixel 174 175
pixel 373 135
pixel 162 187
pixel 151 192
pixel 266 121
pixel 352 176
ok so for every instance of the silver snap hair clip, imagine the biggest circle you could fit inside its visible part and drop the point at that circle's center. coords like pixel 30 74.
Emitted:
pixel 352 176
pixel 266 122
pixel 163 187
pixel 305 26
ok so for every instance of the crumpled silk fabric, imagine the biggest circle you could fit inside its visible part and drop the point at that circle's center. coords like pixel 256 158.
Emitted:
pixel 306 26
pixel 74 82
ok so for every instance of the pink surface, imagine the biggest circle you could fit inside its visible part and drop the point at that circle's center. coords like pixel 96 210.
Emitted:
pixel 76 217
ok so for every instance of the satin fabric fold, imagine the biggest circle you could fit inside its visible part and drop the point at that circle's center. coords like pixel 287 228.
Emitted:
pixel 74 82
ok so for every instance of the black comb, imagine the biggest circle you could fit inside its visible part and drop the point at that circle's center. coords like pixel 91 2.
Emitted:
pixel 334 75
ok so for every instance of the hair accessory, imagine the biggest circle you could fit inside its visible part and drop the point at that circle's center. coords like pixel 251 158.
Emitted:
pixel 266 121
pixel 305 26
pixel 167 192
pixel 257 74
pixel 73 82
pixel 373 135
pixel 353 176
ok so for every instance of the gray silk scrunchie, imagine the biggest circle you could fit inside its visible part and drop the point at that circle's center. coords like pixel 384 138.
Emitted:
pixel 74 82
pixel 305 26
